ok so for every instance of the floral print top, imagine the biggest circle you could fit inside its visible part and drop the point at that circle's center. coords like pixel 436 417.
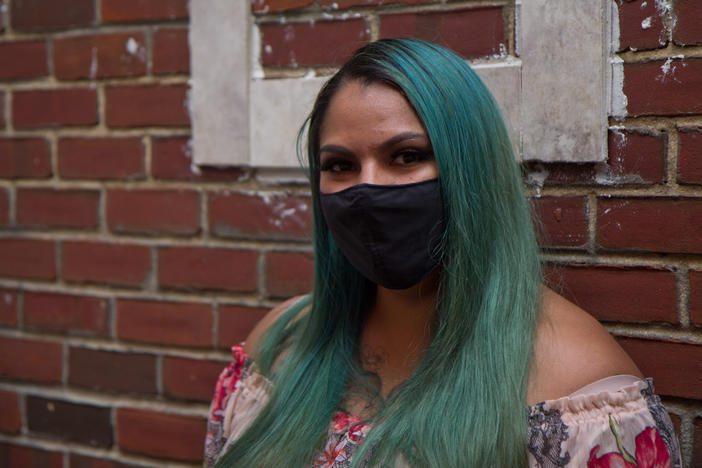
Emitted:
pixel 625 428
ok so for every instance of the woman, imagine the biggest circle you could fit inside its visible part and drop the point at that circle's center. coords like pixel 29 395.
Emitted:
pixel 428 332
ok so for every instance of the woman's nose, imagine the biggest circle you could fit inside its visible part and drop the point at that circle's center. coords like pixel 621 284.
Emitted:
pixel 371 173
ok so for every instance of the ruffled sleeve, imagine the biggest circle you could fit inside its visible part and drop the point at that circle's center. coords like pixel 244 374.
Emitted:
pixel 628 428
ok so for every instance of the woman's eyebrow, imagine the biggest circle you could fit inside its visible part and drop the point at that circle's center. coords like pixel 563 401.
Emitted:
pixel 335 149
pixel 400 137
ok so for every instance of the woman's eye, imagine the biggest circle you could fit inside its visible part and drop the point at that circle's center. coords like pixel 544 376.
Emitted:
pixel 336 165
pixel 410 157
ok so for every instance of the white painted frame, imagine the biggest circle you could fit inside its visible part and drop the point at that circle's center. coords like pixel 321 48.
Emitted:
pixel 555 95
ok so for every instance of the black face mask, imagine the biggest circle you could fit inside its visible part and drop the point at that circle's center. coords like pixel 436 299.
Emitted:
pixel 390 233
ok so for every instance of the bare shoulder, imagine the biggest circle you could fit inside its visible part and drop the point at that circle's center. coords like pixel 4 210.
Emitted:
pixel 251 343
pixel 571 349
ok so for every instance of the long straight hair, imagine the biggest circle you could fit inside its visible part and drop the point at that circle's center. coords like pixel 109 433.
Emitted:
pixel 464 405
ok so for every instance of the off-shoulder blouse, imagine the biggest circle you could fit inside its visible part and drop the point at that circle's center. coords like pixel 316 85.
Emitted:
pixel 618 422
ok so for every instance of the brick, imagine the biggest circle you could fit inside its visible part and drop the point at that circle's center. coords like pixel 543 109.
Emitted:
pixel 17 456
pixel 84 461
pixel 23 59
pixel 664 87
pixel 120 11
pixel 473 32
pixel 168 323
pixel 560 173
pixel 337 4
pixel 664 224
pixel 27 258
pixel 640 25
pixel 41 207
pixel 274 6
pixel 66 313
pixel 101 262
pixel 269 215
pixel 190 379
pixel 38 361
pixel 236 322
pixel 24 158
pixel 8 307
pixel 171 51
pixel 4 207
pixel 11 421
pixel 675 367
pixel 160 435
pixel 112 371
pixel 635 158
pixel 563 221
pixel 690 157
pixel 101 158
pixel 289 273
pixel 99 56
pixel 57 419
pixel 147 105
pixel 688 22
pixel 2 98
pixel 153 211
pixel 171 159
pixel 293 44
pixel 621 294
pixel 54 107
pixel 38 15
pixel 695 299
pixel 207 268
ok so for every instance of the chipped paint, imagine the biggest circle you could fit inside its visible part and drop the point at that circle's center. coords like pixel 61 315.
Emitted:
pixel 256 67
pixel 614 28
pixel 537 178
pixel 93 63
pixel 644 5
pixel 135 49
pixel 646 23
pixel 618 100
pixel 268 49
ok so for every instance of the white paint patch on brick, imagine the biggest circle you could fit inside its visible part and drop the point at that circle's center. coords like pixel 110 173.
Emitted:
pixel 614 28
pixel 646 23
pixel 618 100
pixel 93 63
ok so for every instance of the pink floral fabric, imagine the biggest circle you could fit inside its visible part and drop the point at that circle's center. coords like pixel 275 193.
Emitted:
pixel 627 428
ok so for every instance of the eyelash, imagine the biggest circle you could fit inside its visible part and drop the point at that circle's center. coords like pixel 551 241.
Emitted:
pixel 420 156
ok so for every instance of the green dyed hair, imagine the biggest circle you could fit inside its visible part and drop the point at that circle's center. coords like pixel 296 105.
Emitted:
pixel 464 405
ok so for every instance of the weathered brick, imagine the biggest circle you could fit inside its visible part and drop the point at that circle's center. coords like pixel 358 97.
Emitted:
pixel 57 419
pixel 273 6
pixel 289 273
pixel 171 52
pixel 38 361
pixel 168 323
pixel 23 59
pixel 337 4
pixel 11 421
pixel 100 262
pixel 690 157
pixel 664 224
pixel 688 22
pixel 24 158
pixel 640 25
pixel 236 322
pixel 267 215
pixel 473 32
pixel 17 456
pixel 8 307
pixel 207 268
pixel 697 447
pixel 54 107
pixel 160 435
pixel 695 299
pixel 84 461
pixel 27 258
pixel 112 371
pixel 147 105
pixel 37 15
pixel 171 159
pixel 66 313
pixel 635 158
pixel 620 294
pixel 190 379
pixel 101 158
pixel 664 87
pixel 563 221
pixel 73 208
pixel 4 207
pixel 293 44
pixel 676 367
pixel 153 211
pixel 99 56
pixel 120 11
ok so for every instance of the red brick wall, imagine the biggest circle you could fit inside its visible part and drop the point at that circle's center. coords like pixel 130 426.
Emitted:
pixel 126 273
